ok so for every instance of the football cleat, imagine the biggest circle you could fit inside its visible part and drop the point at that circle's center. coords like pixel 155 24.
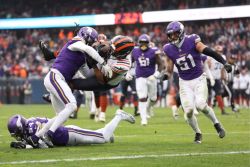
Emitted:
pixel 221 132
pixel 73 115
pixel 46 97
pixel 92 116
pixel 144 122
pixel 47 139
pixel 125 116
pixel 198 138
pixel 102 117
pixel 112 139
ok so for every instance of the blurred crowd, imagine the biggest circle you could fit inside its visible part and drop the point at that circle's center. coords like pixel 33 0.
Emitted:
pixel 28 8
pixel 20 55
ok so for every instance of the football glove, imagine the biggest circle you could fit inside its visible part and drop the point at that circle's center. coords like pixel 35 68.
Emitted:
pixel 18 145
pixel 47 54
pixel 228 67
pixel 128 77
pixel 106 70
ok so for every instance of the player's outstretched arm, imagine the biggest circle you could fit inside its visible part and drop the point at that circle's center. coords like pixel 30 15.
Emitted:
pixel 47 53
pixel 208 51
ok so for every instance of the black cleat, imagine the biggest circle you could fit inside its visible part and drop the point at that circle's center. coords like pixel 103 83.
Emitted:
pixel 73 115
pixel 46 97
pixel 224 112
pixel 198 138
pixel 221 132
pixel 92 116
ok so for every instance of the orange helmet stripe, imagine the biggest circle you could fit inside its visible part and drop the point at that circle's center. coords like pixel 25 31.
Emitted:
pixel 124 46
pixel 121 40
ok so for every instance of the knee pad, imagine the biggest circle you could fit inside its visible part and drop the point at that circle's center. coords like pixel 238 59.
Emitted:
pixel 153 99
pixel 72 106
pixel 201 105
pixel 188 113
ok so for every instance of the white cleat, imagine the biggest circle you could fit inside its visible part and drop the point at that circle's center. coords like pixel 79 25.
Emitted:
pixel 102 117
pixel 126 116
pixel 144 122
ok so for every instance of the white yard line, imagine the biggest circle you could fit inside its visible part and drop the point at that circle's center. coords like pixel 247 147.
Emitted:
pixel 181 134
pixel 124 157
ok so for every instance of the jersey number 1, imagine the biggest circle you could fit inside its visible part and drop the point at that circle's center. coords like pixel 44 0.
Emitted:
pixel 183 64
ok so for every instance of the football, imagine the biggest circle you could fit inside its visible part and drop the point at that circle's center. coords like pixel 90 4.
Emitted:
pixel 103 48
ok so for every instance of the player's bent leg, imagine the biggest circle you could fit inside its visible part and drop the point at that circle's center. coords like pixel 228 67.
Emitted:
pixel 201 104
pixel 109 129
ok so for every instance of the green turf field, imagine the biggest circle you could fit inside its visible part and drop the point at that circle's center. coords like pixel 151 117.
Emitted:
pixel 165 142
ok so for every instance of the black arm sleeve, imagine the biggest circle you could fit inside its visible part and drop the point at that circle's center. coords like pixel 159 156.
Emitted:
pixel 209 52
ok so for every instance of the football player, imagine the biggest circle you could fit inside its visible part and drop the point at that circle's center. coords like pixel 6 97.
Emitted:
pixel 21 129
pixel 146 59
pixel 71 57
pixel 120 47
pixel 129 81
pixel 184 51
pixel 218 73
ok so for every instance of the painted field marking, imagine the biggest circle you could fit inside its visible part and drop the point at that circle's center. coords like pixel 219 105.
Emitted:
pixel 124 157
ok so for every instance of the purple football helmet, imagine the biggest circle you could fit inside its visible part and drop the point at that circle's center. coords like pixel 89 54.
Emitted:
pixel 16 125
pixel 175 32
pixel 90 35
pixel 144 41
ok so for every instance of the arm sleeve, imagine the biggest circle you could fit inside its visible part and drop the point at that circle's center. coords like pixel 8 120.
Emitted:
pixel 208 51
pixel 82 47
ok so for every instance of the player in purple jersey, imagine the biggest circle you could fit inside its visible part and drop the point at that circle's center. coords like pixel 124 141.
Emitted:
pixel 184 51
pixel 71 57
pixel 21 129
pixel 146 59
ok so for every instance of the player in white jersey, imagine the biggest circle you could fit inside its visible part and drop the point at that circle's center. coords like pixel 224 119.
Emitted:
pixel 244 86
pixel 218 73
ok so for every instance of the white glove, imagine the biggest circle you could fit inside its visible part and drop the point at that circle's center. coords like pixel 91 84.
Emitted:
pixel 212 82
pixel 157 75
pixel 106 70
pixel 128 77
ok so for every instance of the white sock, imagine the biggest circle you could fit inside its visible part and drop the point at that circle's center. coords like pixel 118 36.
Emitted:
pixel 45 128
pixel 174 110
pixel 209 112
pixel 194 124
pixel 63 116
pixel 143 110
pixel 109 129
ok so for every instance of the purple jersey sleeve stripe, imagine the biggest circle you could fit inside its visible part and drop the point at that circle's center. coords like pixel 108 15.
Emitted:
pixel 87 133
pixel 58 88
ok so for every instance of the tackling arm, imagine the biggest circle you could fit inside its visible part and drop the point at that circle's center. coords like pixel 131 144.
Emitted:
pixel 82 47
